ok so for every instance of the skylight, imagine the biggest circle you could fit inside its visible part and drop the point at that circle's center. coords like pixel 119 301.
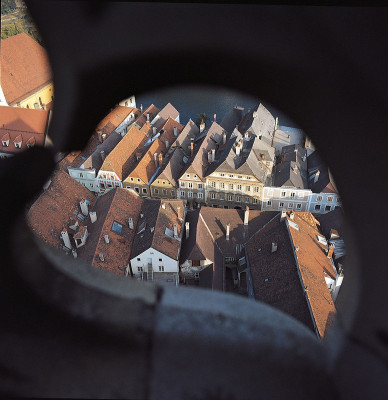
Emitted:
pixel 116 227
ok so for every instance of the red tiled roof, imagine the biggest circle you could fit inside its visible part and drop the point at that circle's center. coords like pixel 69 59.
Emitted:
pixel 25 67
pixel 142 119
pixel 54 207
pixel 20 125
pixel 115 118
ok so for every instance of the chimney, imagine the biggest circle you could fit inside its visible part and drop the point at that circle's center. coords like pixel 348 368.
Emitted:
pixel 274 247
pixel 227 231
pixel 141 108
pixel 213 155
pixel 74 227
pixel 209 156
pixel 156 159
pixel 331 250
pixel 180 213
pixel 192 147
pixel 187 229
pixel 84 207
pixel 74 251
pixel 103 136
pixel 246 136
pixel 276 123
pixel 154 130
pixel 238 149
pixel 148 117
pixel 66 239
pixel 317 176
pixel 99 133
pixel 246 216
pixel 295 169
pixel 138 155
pixel 263 156
pixel 130 223
pixel 175 131
pixel 163 206
pixel 215 117
pixel 202 127
pixel 101 257
pixel 106 237
pixel 102 152
pixel 175 232
pixel 224 138
pixel 292 215
pixel 283 215
pixel 160 159
pixel 167 143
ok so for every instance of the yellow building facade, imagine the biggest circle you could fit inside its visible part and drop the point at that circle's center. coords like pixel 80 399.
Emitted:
pixel 39 99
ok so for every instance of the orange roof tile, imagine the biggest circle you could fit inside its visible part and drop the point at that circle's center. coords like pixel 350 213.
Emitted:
pixel 115 118
pixel 152 110
pixel 25 67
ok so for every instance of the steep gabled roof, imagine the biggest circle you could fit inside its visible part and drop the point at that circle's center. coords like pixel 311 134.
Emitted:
pixel 289 174
pixel 232 119
pixel 115 118
pixel 152 110
pixel 168 111
pixel 25 67
pixel 173 167
pixel 190 131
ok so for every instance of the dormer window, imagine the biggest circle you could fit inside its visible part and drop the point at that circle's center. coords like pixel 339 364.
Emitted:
pixel 31 142
pixel 5 143
pixel 18 142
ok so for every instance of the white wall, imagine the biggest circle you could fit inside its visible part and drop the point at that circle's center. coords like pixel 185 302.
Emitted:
pixel 170 265
pixel 131 102
pixel 86 177
pixel 274 194
pixel 313 201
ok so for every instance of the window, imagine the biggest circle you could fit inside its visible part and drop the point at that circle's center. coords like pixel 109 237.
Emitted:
pixel 164 192
pixel 248 188
pixel 248 177
pixel 222 197
pixel 317 207
pixel 199 185
pixel 161 268
pixel 5 144
pixel 212 184
pixel 230 186
pixel 18 145
pixel 212 196
pixel 222 185
pixel 131 179
pixel 188 176
pixel 319 198
pixel 231 176
pixel 281 204
pixel 91 185
pixel 257 189
pixel 182 193
pixel 137 190
pixel 239 177
pixel 283 194
pixel 328 208
pixel 329 198
pixel 269 203
pixel 163 182
pixel 140 269
pixel 138 179
pixel 144 190
pixel 290 205
pixel 254 201
pixel 196 275
pixel 239 187
pixel 200 195
pixel 116 227
pixel 247 200
pixel 194 176
pixel 292 195
pixel 222 174
pixel 156 191
pixel 190 185
pixel 190 194
pixel 230 197
pixel 182 184
pixel 298 206
pixel 172 193
pixel 238 199
pixel 138 259
pixel 160 260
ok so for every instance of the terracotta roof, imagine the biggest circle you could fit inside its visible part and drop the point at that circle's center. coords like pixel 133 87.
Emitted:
pixel 68 161
pixel 314 266
pixel 168 111
pixel 22 124
pixel 117 205
pixel 54 207
pixel 115 118
pixel 168 128
pixel 274 275
pixel 25 67
pixel 122 158
pixel 152 110
pixel 156 219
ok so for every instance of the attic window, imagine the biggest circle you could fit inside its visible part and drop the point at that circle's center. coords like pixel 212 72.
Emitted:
pixel 117 227
pixel 5 144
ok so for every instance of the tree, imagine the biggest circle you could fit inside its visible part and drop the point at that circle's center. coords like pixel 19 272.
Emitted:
pixel 201 118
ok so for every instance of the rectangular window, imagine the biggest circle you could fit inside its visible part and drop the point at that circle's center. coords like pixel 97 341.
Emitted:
pixel 81 175
pixel 164 192
pixel 281 204
pixel 222 197
pixel 290 205
pixel 172 193
pixel 230 186
pixel 138 259
pixel 292 195
pixel 254 201
pixel 257 189
pixel 190 185
pixel 161 268
pixel 222 185
pixel 283 194
pixel 212 196
pixel 213 184
pixel 144 190
pixel 269 203
pixel 160 259
pixel 231 176
pixel 238 199
pixel 182 193
pixel 248 177
pixel 317 207
pixel 247 200
pixel 200 185
pixel 239 177
pixel 156 191
pixel 222 174
pixel 248 188
pixel 140 269
pixel 239 187
pixel 319 198
pixel 182 184
pixel 230 197
pixel 329 198
pixel 328 208
pixel 200 195
pixel 190 195
pixel 298 206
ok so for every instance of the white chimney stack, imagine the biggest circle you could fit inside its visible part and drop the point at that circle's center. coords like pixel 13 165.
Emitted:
pixel 106 237
pixel 179 212
pixel 101 257
pixel 154 130
pixel 148 117
pixel 175 232
pixel 66 239
pixel 175 131
pixel 209 156
pixel 283 215
pixel 227 231
pixel 292 215
pixel 213 155
pixel 156 159
pixel 167 143
pixel 274 247
pixel 276 123
pixel 215 117
pixel 224 138
pixel 238 149
pixel 130 223
pixel 317 176
pixel 74 251
pixel 187 225
pixel 84 207
pixel 246 216
pixel 141 107
pixel 102 152
pixel 202 127
pixel 93 216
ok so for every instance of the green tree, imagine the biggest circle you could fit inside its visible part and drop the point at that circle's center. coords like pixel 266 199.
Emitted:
pixel 201 118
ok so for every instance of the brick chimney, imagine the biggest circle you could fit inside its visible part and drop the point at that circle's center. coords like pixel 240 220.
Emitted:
pixel 227 231
pixel 156 160
pixel 93 216
pixel 331 250
pixel 215 117
pixel 180 213
pixel 246 216
pixel 66 239
pixel 84 207
pixel 316 177
pixel 187 225
pixel 130 223
pixel 192 147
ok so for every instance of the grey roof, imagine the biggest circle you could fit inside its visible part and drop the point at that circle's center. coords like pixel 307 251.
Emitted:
pixel 325 182
pixel 232 119
pixel 95 161
pixel 190 131
pixel 259 122
pixel 174 166
pixel 167 111
pixel 285 175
